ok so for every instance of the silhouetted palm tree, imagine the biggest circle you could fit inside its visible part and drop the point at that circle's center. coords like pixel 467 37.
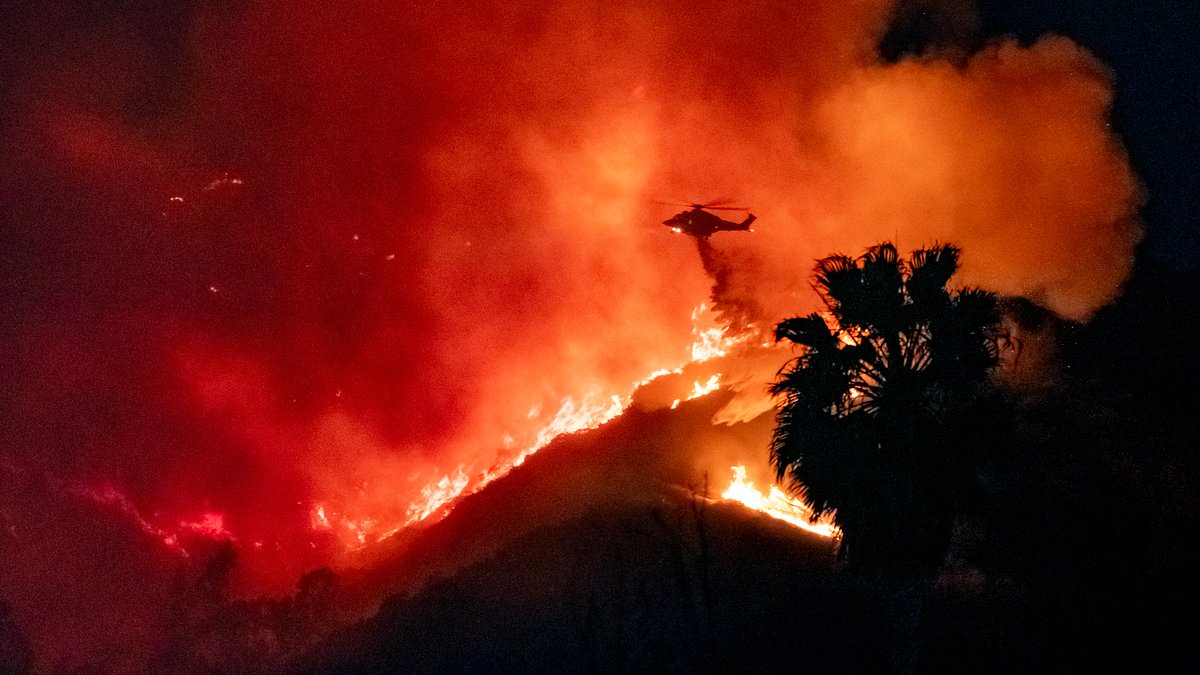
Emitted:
pixel 879 413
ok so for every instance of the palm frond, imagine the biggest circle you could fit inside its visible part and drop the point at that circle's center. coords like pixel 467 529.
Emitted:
pixel 977 308
pixel 883 254
pixel 880 297
pixel 809 331
pixel 837 278
pixel 931 269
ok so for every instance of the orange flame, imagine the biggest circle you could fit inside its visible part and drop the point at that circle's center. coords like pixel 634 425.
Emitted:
pixel 437 498
pixel 710 338
pixel 777 504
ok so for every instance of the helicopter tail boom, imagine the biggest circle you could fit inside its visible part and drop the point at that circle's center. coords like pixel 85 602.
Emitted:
pixel 745 224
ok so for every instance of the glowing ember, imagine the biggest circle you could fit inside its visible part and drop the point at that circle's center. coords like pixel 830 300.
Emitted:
pixel 776 504
pixel 224 181
pixel 209 526
pixel 320 521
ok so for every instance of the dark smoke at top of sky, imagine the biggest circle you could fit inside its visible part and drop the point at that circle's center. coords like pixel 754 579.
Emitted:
pixel 265 257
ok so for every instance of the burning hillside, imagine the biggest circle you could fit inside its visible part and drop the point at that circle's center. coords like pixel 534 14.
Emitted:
pixel 302 277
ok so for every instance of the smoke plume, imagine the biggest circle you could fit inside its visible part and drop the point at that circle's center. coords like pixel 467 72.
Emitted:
pixel 738 311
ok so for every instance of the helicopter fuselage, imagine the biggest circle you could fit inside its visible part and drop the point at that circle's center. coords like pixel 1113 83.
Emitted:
pixel 700 223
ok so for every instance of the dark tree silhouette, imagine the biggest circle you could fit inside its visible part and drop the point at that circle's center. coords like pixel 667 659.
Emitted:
pixel 881 419
pixel 211 631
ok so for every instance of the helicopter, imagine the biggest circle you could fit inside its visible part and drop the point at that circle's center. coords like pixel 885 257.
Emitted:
pixel 700 223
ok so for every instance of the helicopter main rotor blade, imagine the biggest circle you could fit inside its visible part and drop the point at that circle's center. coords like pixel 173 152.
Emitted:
pixel 718 205
pixel 690 205
pixel 722 204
